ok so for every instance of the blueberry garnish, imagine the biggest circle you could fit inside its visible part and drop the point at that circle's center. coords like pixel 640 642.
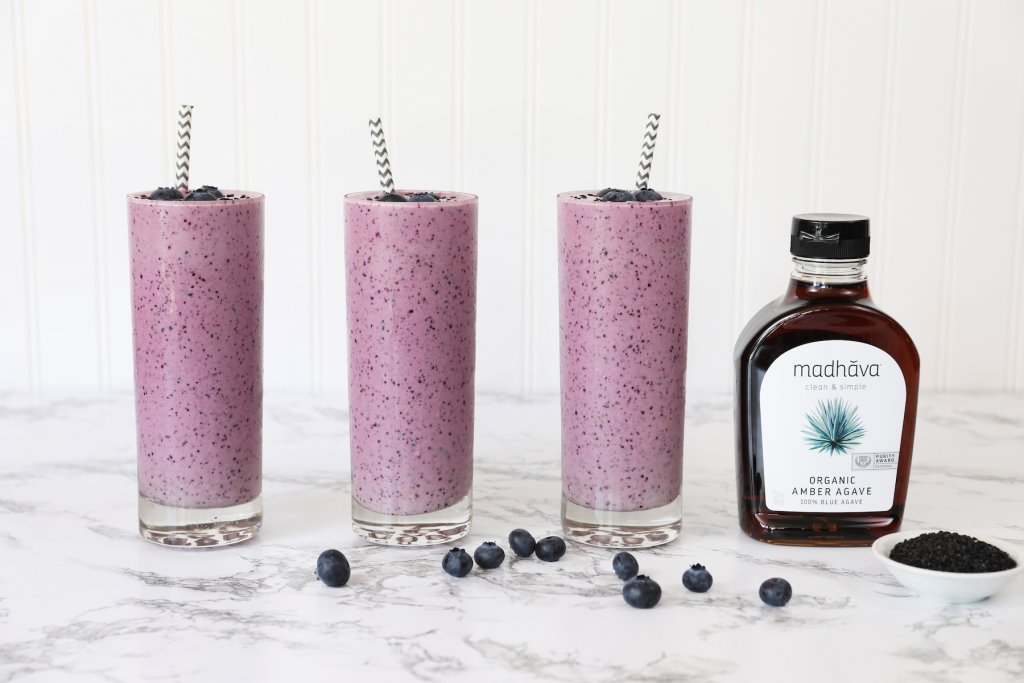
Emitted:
pixel 606 190
pixel 522 543
pixel 457 562
pixel 642 592
pixel 647 195
pixel 332 568
pixel 489 555
pixel 392 197
pixel 212 189
pixel 616 196
pixel 165 193
pixel 200 196
pixel 550 549
pixel 776 592
pixel 423 197
pixel 625 566
pixel 697 578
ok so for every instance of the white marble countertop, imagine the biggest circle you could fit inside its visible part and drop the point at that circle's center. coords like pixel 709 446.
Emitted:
pixel 83 598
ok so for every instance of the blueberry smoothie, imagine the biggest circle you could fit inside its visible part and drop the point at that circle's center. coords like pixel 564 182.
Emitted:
pixel 624 268
pixel 411 274
pixel 197 313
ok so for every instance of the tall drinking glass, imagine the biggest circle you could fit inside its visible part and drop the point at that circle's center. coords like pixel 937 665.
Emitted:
pixel 411 273
pixel 624 271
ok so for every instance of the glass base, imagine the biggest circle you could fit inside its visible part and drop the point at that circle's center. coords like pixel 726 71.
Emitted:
pixel 622 529
pixel 199 527
pixel 430 528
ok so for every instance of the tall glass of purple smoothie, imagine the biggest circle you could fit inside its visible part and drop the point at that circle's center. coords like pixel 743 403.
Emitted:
pixel 624 271
pixel 197 314
pixel 411 274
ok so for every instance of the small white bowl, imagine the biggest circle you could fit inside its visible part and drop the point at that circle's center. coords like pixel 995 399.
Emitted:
pixel 946 586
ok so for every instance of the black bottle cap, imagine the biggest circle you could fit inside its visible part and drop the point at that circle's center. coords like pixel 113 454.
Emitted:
pixel 830 236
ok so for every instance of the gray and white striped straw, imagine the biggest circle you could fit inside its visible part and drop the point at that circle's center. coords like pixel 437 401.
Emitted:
pixel 380 150
pixel 643 175
pixel 184 147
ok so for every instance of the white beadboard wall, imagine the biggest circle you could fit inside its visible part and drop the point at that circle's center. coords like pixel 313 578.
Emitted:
pixel 910 111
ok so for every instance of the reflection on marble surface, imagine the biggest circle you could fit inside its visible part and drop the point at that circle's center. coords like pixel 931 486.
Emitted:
pixel 83 598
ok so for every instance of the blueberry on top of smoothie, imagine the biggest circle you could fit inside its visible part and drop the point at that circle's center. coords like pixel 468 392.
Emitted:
pixel 606 190
pixel 647 195
pixel 200 196
pixel 392 197
pixel 616 196
pixel 165 193
pixel 212 189
pixel 424 197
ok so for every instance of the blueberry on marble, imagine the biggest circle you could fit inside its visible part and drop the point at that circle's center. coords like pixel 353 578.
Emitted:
pixel 550 549
pixel 392 197
pixel 489 555
pixel 625 566
pixel 775 592
pixel 423 197
pixel 212 189
pixel 616 196
pixel 697 578
pixel 200 196
pixel 522 543
pixel 457 562
pixel 647 195
pixel 643 592
pixel 165 193
pixel 332 568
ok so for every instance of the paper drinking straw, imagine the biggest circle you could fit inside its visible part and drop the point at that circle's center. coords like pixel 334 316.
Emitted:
pixel 387 181
pixel 643 174
pixel 184 146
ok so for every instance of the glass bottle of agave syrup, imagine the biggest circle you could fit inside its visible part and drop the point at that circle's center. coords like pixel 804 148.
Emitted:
pixel 826 399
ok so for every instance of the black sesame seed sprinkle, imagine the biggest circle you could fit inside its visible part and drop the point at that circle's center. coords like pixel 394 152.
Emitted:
pixel 946 551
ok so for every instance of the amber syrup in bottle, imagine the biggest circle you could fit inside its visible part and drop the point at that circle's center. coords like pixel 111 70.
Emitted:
pixel 825 399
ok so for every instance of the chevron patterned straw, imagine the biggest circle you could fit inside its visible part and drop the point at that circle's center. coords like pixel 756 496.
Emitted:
pixel 380 150
pixel 643 175
pixel 184 146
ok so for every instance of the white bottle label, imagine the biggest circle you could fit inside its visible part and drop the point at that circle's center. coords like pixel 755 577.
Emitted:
pixel 831 426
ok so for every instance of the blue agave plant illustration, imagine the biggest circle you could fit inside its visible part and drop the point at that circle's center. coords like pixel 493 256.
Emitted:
pixel 834 427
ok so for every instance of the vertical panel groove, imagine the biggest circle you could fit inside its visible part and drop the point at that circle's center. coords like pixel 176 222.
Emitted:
pixel 884 205
pixel 674 89
pixel 28 218
pixel 743 165
pixel 529 189
pixel 316 209
pixel 167 80
pixel 101 275
pixel 458 93
pixel 386 80
pixel 953 188
pixel 602 44
pixel 818 99
pixel 241 129
pixel 1015 362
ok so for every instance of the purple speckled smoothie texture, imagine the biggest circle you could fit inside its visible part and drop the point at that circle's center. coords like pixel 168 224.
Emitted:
pixel 624 271
pixel 411 323
pixel 197 311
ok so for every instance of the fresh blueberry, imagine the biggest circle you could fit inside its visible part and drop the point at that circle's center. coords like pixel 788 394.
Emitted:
pixel 550 549
pixel 697 578
pixel 489 555
pixel 606 190
pixel 200 196
pixel 617 196
pixel 392 197
pixel 457 562
pixel 522 543
pixel 647 195
pixel 643 592
pixel 332 568
pixel 625 566
pixel 212 189
pixel 423 197
pixel 776 592
pixel 165 193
